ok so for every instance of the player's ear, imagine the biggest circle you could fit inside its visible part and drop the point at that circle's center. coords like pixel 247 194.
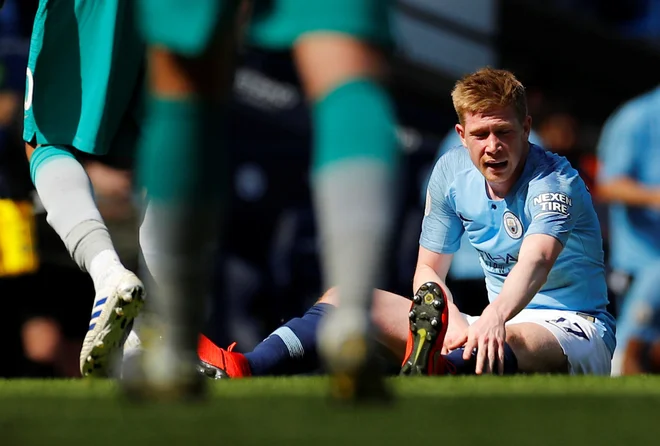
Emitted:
pixel 527 126
pixel 461 133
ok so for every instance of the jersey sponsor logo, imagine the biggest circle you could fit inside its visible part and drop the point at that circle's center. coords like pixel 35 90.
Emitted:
pixel 512 225
pixel 427 206
pixel 29 89
pixel 499 264
pixel 553 203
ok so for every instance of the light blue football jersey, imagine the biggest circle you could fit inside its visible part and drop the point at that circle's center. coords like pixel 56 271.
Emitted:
pixel 465 264
pixel 630 147
pixel 549 198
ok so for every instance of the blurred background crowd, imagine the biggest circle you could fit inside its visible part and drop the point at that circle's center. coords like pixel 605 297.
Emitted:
pixel 583 62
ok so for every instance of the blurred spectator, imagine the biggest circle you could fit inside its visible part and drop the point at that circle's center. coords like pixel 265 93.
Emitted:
pixel 629 179
pixel 559 129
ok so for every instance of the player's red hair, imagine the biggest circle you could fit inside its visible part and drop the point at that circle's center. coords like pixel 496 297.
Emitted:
pixel 489 89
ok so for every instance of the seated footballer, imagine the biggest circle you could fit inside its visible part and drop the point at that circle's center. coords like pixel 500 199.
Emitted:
pixel 529 215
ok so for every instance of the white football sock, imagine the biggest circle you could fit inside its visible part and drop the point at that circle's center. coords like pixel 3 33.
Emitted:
pixel 68 198
pixel 355 202
pixel 104 265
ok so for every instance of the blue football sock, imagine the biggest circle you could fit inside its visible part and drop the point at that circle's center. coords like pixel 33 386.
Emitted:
pixel 463 367
pixel 291 349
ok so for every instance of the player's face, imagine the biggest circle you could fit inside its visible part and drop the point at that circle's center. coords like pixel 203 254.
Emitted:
pixel 497 143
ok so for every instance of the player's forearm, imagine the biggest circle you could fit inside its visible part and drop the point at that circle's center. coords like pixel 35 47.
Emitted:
pixel 520 287
pixel 628 191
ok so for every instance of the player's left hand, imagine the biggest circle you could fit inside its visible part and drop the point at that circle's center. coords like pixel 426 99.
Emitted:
pixel 487 335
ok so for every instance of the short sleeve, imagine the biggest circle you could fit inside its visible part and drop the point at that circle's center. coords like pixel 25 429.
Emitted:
pixel 619 143
pixel 450 141
pixel 554 201
pixel 441 227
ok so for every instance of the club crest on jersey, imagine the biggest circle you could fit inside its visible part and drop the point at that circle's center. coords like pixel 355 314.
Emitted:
pixel 512 225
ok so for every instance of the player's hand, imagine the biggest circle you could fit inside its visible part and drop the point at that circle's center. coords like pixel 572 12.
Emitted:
pixel 456 330
pixel 487 335
pixel 453 339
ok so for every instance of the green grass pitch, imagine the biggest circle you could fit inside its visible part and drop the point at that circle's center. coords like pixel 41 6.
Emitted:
pixel 525 410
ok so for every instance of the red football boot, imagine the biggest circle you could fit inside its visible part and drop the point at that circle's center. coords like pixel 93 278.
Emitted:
pixel 219 363
pixel 428 326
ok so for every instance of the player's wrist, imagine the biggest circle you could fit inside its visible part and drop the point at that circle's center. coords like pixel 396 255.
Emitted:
pixel 499 311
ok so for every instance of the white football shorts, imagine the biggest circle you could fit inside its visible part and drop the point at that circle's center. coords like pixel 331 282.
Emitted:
pixel 579 335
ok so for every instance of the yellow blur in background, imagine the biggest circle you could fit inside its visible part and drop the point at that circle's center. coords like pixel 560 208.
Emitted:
pixel 18 250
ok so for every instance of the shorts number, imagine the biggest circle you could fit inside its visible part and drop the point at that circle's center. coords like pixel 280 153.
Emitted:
pixel 569 327
pixel 29 90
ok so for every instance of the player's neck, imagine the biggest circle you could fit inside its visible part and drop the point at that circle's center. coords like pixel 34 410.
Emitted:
pixel 498 192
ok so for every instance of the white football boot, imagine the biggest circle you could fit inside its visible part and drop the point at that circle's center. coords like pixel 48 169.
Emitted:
pixel 116 305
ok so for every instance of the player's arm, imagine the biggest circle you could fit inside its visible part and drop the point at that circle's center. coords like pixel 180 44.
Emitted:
pixel 440 238
pixel 441 229
pixel 621 141
pixel 537 256
pixel 432 267
pixel 553 203
pixel 628 191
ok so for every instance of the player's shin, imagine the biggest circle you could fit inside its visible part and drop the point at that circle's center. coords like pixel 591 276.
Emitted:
pixel 181 168
pixel 67 195
pixel 354 188
pixel 291 349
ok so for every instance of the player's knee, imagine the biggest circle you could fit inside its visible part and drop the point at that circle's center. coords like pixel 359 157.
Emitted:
pixel 355 121
pixel 207 75
pixel 328 60
pixel 39 155
pixel 515 340
pixel 29 150
pixel 536 349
